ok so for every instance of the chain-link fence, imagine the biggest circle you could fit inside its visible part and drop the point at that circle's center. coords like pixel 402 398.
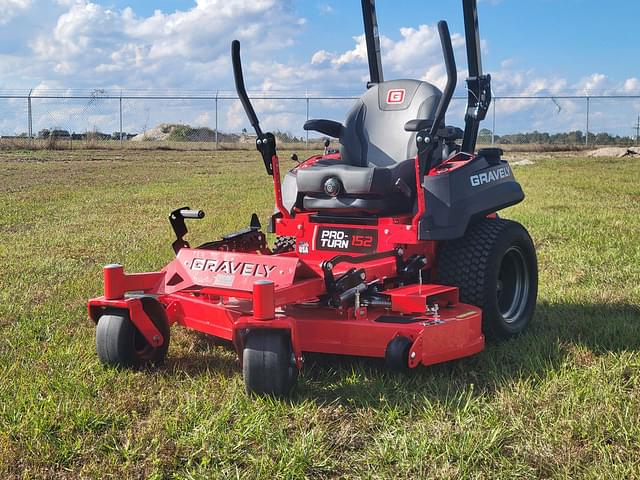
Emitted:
pixel 215 120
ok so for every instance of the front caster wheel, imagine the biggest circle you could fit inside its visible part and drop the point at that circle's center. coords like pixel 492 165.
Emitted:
pixel 268 363
pixel 396 355
pixel 119 343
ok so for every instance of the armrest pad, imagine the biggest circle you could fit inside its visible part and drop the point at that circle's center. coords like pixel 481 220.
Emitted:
pixel 328 127
pixel 418 124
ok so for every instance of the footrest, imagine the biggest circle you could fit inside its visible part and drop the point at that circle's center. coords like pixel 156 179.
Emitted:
pixel 400 319
pixel 419 298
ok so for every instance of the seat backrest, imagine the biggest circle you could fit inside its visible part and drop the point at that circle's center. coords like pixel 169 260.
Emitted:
pixel 374 129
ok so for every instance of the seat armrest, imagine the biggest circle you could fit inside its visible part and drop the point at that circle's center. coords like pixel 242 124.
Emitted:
pixel 418 124
pixel 327 127
pixel 451 133
pixel 447 133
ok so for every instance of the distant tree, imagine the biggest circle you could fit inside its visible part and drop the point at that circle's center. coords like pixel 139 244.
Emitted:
pixel 485 136
pixel 287 137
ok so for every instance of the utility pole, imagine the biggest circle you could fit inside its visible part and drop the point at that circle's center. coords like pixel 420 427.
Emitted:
pixel 306 143
pixel 638 132
pixel 30 117
pixel 586 140
pixel 120 118
pixel 493 127
pixel 217 92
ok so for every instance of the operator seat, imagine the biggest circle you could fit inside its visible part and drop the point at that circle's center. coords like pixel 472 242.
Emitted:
pixel 376 171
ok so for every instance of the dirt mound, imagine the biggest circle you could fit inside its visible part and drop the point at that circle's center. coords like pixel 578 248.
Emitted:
pixel 182 133
pixel 160 132
pixel 618 152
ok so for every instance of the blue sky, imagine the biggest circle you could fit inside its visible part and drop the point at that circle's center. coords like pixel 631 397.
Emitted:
pixel 567 38
pixel 531 47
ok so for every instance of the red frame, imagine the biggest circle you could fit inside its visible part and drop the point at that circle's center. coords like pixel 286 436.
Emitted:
pixel 225 293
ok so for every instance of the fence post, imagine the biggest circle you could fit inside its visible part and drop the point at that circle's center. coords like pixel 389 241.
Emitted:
pixel 493 128
pixel 306 145
pixel 586 141
pixel 30 118
pixel 120 118
pixel 217 91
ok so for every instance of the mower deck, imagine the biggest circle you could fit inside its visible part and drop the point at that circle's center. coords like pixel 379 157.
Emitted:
pixel 226 294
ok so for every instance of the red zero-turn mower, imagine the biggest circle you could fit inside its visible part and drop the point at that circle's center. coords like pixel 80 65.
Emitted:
pixel 389 247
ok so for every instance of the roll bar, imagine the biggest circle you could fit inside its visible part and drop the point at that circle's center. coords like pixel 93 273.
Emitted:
pixel 478 85
pixel 372 38
pixel 472 37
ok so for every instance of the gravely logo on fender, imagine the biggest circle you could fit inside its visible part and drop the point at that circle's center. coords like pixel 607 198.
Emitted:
pixel 230 267
pixel 358 240
pixel 490 176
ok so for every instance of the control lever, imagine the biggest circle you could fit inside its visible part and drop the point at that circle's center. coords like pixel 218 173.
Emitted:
pixel 180 228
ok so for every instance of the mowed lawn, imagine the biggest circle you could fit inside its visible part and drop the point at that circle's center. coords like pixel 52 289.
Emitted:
pixel 561 401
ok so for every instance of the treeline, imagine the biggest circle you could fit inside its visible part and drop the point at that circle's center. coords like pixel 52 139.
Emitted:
pixel 576 137
pixel 61 134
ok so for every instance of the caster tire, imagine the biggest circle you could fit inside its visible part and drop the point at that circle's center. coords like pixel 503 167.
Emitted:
pixel 396 355
pixel 268 365
pixel 119 343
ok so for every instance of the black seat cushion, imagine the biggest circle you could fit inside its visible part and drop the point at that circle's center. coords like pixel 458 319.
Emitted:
pixel 356 180
pixel 363 189
pixel 348 205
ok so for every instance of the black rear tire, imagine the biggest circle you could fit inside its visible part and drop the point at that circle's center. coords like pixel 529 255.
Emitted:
pixel 268 365
pixel 495 267
pixel 120 343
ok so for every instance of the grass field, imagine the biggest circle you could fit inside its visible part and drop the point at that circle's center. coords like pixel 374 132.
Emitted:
pixel 561 401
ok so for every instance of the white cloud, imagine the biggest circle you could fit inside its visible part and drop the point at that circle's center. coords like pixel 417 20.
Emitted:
pixel 325 9
pixel 358 54
pixel 632 85
pixel 417 54
pixel 595 83
pixel 90 41
pixel 11 8
pixel 321 56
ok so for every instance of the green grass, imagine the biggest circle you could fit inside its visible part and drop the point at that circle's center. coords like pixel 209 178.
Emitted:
pixel 563 400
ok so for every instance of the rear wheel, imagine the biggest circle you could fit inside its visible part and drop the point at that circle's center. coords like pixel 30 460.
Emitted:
pixel 120 343
pixel 495 267
pixel 268 363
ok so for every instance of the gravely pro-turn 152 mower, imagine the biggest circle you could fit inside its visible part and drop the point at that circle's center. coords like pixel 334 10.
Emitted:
pixel 387 247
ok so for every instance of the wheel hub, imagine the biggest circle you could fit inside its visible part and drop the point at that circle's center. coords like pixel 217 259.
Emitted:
pixel 513 285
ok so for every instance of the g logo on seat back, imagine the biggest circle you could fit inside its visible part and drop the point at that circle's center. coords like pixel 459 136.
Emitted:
pixel 396 96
